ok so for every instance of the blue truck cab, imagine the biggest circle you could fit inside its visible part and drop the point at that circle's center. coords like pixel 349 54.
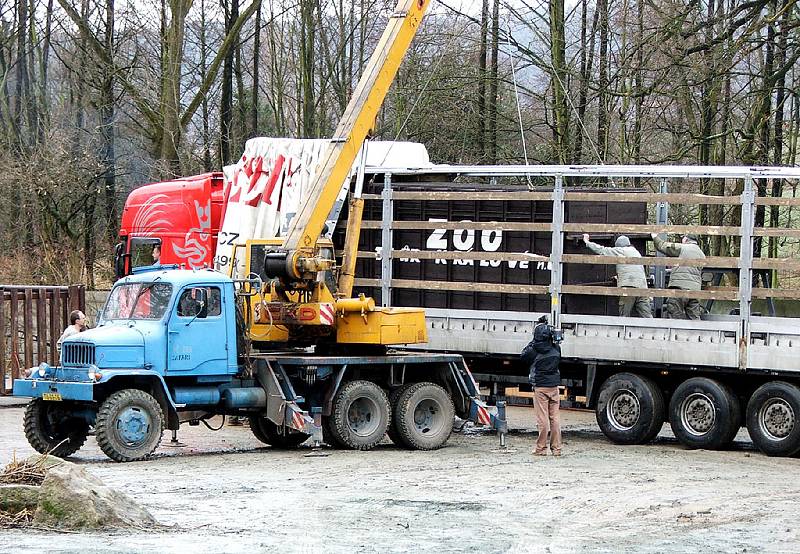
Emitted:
pixel 170 348
pixel 165 338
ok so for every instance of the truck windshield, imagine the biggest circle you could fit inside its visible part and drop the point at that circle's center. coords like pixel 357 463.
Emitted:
pixel 138 301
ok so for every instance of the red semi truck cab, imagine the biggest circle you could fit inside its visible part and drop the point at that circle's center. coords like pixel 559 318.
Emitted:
pixel 182 216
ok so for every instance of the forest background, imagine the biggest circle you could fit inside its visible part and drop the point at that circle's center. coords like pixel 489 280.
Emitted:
pixel 98 97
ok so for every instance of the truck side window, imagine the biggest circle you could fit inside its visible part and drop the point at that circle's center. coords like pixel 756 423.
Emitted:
pixel 201 302
pixel 142 252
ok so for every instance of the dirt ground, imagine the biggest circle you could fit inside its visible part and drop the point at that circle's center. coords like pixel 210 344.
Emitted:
pixel 225 493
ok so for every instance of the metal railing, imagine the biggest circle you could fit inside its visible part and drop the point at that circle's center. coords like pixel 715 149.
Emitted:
pixel 31 321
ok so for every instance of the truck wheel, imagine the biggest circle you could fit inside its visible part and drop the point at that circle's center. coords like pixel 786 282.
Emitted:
pixel 424 416
pixel 704 414
pixel 129 425
pixel 328 435
pixel 630 409
pixel 267 432
pixel 772 419
pixel 360 415
pixel 50 428
pixel 394 396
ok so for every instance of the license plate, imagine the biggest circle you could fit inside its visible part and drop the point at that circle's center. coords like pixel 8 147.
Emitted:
pixel 54 396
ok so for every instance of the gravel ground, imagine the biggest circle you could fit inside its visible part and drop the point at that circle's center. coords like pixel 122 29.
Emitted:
pixel 225 493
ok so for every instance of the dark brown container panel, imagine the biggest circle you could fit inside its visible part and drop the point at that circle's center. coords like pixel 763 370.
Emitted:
pixel 495 272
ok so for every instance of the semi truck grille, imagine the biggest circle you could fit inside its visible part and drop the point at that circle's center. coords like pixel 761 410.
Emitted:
pixel 77 354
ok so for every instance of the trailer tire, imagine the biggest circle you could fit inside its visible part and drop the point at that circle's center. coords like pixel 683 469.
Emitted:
pixel 772 418
pixel 47 425
pixel 630 409
pixel 129 426
pixel 268 432
pixel 392 431
pixel 424 416
pixel 360 416
pixel 704 413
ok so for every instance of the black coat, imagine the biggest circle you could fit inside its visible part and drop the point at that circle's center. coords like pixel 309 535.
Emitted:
pixel 543 357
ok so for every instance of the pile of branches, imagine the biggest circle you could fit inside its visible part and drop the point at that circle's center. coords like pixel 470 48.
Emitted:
pixel 24 472
pixel 21 473
pixel 18 519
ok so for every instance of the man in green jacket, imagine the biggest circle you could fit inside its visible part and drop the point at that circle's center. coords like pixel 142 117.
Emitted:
pixel 682 277
pixel 628 276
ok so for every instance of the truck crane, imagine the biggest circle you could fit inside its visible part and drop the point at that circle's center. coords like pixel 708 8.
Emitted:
pixel 294 354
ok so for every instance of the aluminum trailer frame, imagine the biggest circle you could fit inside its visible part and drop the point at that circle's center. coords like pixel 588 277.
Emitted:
pixel 740 343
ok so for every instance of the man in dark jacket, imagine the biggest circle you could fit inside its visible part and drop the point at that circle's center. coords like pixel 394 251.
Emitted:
pixel 543 355
pixel 682 277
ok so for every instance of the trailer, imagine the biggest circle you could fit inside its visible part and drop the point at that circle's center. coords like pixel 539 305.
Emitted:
pixel 706 377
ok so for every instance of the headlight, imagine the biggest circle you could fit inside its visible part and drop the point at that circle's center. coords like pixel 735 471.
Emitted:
pixel 94 373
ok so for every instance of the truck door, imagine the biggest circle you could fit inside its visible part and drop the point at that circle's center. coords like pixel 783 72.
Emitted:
pixel 197 333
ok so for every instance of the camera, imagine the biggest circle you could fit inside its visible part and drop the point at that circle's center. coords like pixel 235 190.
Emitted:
pixel 557 335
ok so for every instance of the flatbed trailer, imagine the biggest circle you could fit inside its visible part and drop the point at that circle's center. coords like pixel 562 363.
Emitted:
pixel 706 377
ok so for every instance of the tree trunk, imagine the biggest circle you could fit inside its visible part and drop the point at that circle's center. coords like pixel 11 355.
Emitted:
pixel 106 109
pixel 558 81
pixel 307 44
pixel 256 56
pixel 602 85
pixel 226 100
pixel 171 91
pixel 587 63
pixel 203 72
pixel 494 95
pixel 482 80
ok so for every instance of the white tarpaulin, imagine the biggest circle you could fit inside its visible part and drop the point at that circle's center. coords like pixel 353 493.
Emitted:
pixel 264 189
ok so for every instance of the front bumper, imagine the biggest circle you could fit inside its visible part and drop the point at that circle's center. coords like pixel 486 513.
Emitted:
pixel 53 390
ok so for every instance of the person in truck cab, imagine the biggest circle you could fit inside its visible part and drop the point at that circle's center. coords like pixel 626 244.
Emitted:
pixel 628 276
pixel 156 254
pixel 682 277
pixel 543 356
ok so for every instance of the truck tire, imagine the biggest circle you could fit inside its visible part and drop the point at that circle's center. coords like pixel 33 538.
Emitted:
pixel 394 396
pixel 129 425
pixel 50 429
pixel 424 416
pixel 772 418
pixel 328 435
pixel 267 432
pixel 360 416
pixel 630 409
pixel 704 413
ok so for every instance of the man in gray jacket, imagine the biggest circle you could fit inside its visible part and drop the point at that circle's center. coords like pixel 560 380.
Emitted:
pixel 682 277
pixel 628 276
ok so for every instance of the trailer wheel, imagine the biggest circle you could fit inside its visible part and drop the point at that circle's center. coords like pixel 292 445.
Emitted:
pixel 51 429
pixel 630 409
pixel 129 426
pixel 361 415
pixel 394 396
pixel 268 432
pixel 424 416
pixel 704 414
pixel 772 419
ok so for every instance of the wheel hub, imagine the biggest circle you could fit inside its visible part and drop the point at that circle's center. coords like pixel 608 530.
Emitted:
pixel 362 417
pixel 698 414
pixel 623 410
pixel 133 426
pixel 427 416
pixel 777 418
